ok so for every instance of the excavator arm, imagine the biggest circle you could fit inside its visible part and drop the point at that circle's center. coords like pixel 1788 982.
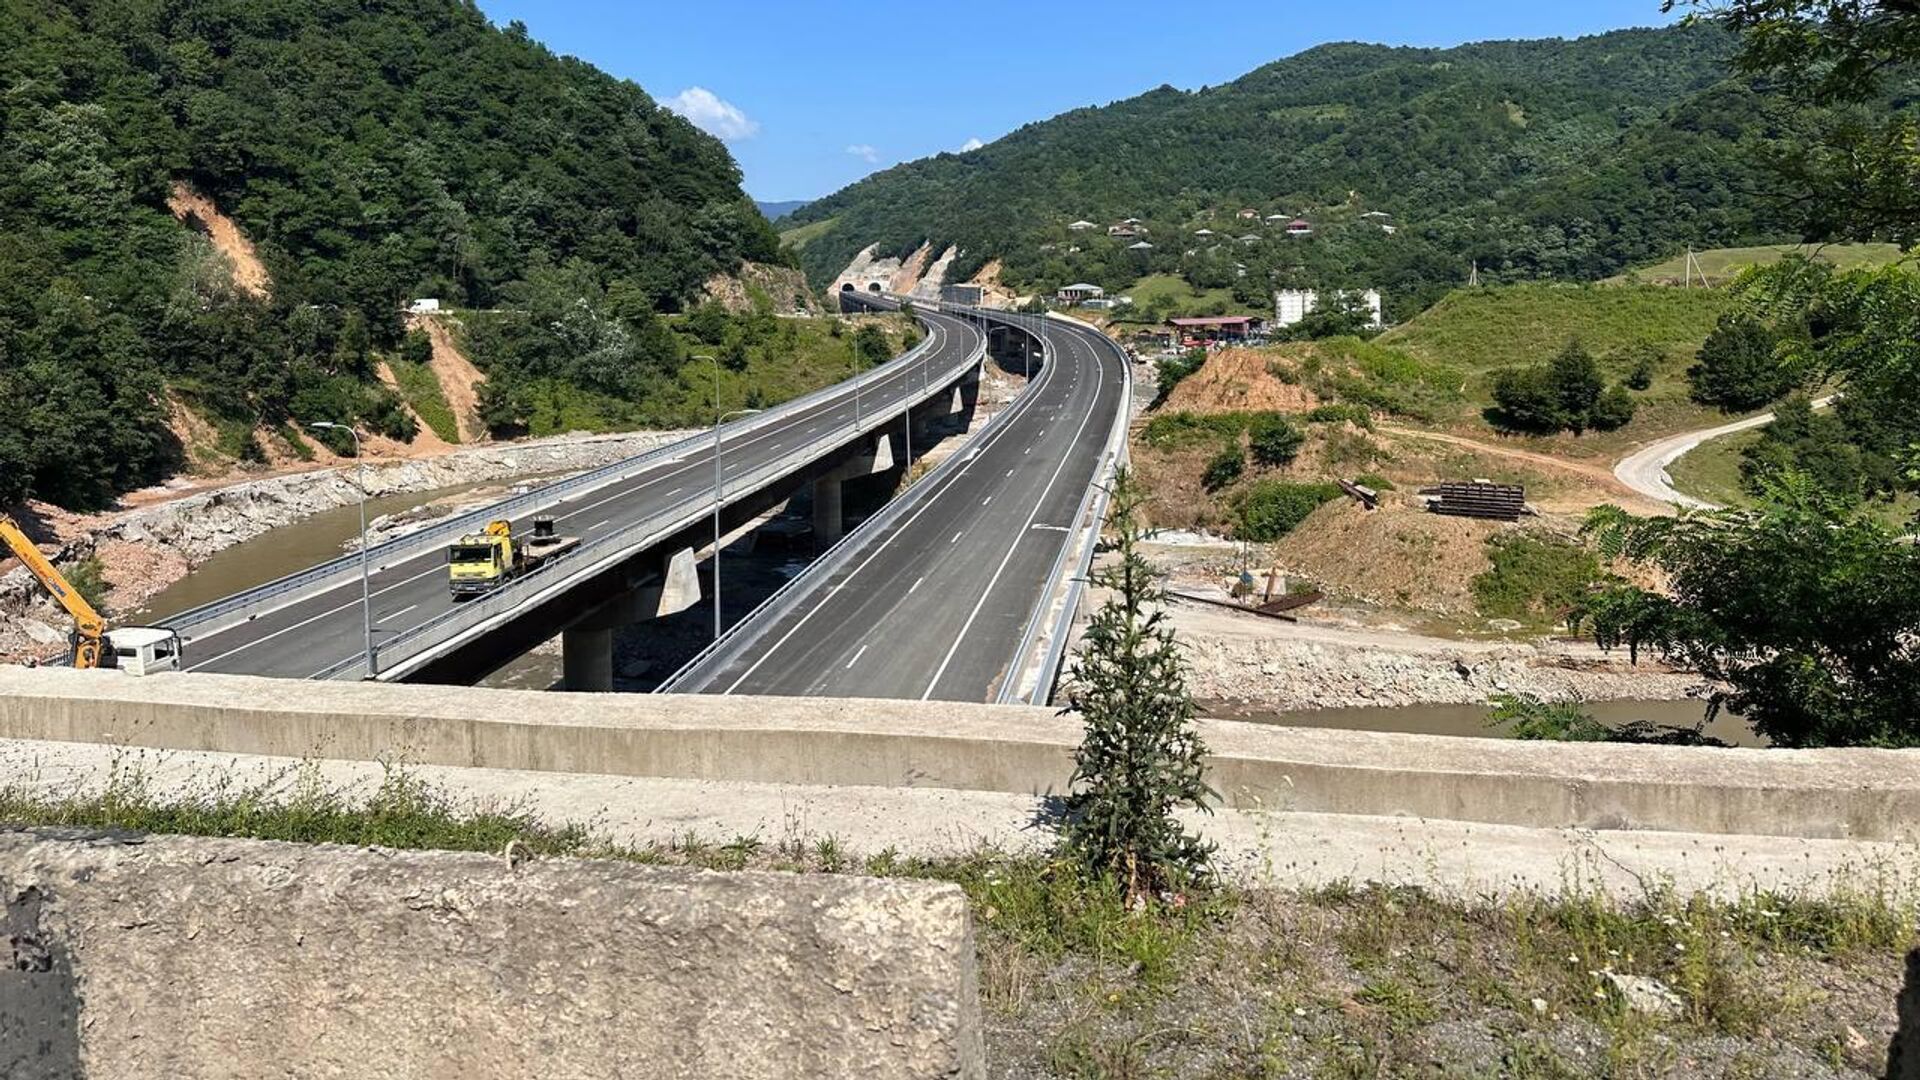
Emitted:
pixel 89 628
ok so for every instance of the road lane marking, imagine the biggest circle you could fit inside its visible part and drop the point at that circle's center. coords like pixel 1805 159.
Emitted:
pixel 397 614
pixel 956 538
pixel 981 603
pixel 597 524
pixel 857 656
pixel 1020 407
pixel 916 583
pixel 988 499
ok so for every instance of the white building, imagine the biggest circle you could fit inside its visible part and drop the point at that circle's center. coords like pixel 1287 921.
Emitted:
pixel 425 305
pixel 1077 294
pixel 1082 226
pixel 1291 305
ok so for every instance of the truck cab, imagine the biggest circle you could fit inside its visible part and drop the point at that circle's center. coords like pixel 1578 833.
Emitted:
pixel 479 562
pixel 142 650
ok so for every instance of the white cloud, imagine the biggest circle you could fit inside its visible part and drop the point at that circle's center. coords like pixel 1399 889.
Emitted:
pixel 713 114
pixel 865 153
pixel 971 144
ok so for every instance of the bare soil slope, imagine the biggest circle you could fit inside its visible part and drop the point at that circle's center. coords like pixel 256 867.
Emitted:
pixel 196 211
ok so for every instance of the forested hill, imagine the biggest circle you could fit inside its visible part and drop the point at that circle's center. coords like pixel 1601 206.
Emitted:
pixel 371 152
pixel 1563 158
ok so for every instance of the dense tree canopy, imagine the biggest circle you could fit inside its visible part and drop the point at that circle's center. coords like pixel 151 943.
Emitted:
pixel 1565 159
pixel 371 152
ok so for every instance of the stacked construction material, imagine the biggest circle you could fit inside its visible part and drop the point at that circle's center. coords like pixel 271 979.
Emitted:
pixel 1478 499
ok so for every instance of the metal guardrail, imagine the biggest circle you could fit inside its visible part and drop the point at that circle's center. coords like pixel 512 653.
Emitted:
pixel 1047 672
pixel 233 608
pixel 752 627
pixel 398 654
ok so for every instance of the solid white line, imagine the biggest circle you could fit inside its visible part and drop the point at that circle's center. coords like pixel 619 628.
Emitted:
pixel 1020 407
pixel 1011 548
pixel 857 656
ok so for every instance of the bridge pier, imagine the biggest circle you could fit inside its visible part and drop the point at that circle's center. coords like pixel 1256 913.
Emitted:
pixel 586 647
pixel 829 513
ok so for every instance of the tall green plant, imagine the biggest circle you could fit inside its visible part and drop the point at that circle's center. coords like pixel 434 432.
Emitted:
pixel 1140 758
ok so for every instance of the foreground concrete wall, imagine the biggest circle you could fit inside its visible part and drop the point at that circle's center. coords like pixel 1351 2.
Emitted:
pixel 1838 794
pixel 143 957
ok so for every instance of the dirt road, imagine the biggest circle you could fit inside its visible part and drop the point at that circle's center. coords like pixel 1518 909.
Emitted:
pixel 1645 470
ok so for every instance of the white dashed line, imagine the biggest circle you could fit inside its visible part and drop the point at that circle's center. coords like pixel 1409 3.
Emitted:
pixel 857 656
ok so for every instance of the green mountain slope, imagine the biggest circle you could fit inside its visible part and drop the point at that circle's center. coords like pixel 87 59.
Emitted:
pixel 371 152
pixel 1536 158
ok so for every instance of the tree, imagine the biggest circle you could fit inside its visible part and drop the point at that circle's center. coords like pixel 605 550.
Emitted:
pixel 1273 440
pixel 1809 614
pixel 1843 61
pixel 1736 369
pixel 1577 383
pixel 1140 758
pixel 1525 400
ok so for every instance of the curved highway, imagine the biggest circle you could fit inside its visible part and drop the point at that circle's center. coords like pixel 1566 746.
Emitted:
pixel 315 632
pixel 934 601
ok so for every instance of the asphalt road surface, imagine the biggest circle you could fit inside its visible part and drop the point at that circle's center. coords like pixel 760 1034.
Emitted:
pixel 313 633
pixel 934 605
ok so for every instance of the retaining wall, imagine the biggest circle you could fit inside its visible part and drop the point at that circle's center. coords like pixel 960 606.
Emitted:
pixel 1853 794
pixel 142 957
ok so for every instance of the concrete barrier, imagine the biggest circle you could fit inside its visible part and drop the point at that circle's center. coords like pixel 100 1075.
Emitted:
pixel 156 956
pixel 1831 794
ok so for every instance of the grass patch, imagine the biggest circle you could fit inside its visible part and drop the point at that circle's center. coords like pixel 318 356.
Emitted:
pixel 1179 299
pixel 1711 471
pixel 1478 330
pixel 1344 980
pixel 1722 265
pixel 801 235
pixel 1534 578
pixel 420 388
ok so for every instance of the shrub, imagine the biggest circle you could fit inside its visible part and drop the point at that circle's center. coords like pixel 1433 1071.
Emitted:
pixel 1273 440
pixel 1374 481
pixel 1175 369
pixel 1224 467
pixel 1534 577
pixel 1342 413
pixel 1736 369
pixel 1614 410
pixel 1270 509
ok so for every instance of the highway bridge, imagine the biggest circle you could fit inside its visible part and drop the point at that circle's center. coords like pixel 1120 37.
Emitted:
pixel 971 578
pixel 963 588
pixel 643 522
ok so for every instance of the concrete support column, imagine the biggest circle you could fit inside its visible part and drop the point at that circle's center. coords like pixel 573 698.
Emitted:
pixel 586 659
pixel 829 518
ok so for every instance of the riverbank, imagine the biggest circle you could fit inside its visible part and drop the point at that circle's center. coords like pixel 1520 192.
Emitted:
pixel 153 542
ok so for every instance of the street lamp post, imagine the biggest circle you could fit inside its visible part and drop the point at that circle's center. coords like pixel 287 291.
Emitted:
pixel 717 479
pixel 366 589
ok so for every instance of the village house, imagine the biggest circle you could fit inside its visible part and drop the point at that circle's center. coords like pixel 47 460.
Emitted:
pixel 1082 226
pixel 1077 294
pixel 1211 329
pixel 1299 227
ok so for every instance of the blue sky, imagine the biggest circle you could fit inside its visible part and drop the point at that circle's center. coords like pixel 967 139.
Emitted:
pixel 810 98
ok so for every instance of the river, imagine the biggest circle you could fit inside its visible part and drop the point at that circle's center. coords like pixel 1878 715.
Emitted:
pixel 282 551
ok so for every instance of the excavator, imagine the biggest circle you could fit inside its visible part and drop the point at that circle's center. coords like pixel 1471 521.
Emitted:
pixel 137 650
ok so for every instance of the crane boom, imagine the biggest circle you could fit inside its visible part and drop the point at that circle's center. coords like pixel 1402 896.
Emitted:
pixel 89 627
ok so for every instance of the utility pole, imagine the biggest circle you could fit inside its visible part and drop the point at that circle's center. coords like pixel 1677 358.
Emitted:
pixel 366 588
pixel 718 479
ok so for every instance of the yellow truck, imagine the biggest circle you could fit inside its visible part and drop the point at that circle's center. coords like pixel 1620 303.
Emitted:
pixel 481 562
